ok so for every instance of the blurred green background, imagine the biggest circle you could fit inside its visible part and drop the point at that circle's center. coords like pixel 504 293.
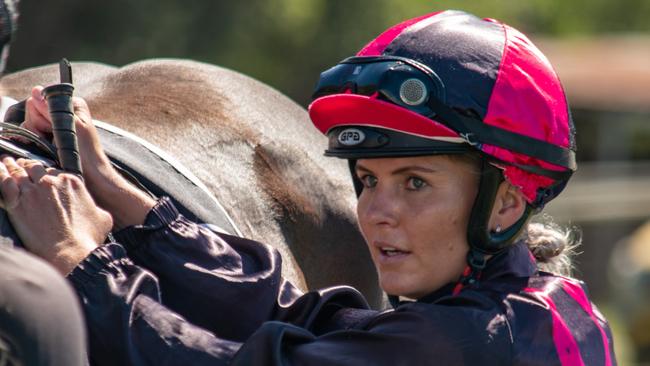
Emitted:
pixel 284 43
pixel 600 48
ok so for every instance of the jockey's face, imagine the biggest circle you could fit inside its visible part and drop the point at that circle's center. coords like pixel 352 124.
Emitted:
pixel 413 214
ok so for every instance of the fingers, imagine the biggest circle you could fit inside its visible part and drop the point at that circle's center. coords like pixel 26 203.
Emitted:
pixel 9 188
pixel 37 116
pixel 81 110
pixel 37 92
pixel 33 168
pixel 16 175
pixel 16 171
pixel 96 165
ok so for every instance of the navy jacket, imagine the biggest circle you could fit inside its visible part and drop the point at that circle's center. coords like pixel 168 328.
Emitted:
pixel 175 293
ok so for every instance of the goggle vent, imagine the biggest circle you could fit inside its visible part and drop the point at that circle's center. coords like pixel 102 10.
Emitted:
pixel 413 92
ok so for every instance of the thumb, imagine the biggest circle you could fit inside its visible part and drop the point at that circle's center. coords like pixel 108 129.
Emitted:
pixel 37 116
pixel 38 102
pixel 81 110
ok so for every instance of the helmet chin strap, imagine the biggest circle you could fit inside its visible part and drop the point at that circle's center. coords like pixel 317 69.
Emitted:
pixel 479 235
pixel 484 243
pixel 358 186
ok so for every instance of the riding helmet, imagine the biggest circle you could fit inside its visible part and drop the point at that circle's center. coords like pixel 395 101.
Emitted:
pixel 452 83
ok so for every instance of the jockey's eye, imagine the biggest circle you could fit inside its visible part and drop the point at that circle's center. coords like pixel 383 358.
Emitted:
pixel 415 183
pixel 369 181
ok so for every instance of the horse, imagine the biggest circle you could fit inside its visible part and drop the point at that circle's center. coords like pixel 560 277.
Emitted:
pixel 252 148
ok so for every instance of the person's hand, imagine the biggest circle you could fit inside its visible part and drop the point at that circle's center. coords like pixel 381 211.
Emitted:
pixel 95 163
pixel 127 204
pixel 52 212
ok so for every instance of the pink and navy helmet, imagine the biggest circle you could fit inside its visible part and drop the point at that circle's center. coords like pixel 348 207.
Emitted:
pixel 452 83
pixel 447 81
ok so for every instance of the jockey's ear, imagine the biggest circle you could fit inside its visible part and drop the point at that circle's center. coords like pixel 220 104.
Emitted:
pixel 509 206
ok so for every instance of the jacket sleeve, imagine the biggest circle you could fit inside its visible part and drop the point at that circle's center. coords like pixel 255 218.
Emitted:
pixel 187 294
pixel 126 323
pixel 225 284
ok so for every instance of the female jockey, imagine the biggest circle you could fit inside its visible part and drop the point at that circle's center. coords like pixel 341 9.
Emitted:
pixel 456 130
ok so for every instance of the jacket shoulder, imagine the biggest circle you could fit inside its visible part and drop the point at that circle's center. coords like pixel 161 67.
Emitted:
pixel 553 319
pixel 469 328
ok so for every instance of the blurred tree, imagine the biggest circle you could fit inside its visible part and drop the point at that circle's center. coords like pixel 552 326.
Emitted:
pixel 284 43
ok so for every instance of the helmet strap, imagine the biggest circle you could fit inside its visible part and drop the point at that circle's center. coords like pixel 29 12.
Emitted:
pixel 358 186
pixel 484 243
pixel 476 262
pixel 479 236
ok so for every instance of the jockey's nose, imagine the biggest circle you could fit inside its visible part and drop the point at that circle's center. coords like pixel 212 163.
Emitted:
pixel 379 206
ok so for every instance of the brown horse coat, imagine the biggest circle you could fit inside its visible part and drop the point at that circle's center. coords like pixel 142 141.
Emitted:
pixel 254 149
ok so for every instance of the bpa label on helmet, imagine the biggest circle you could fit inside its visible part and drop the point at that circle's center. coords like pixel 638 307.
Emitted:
pixel 351 137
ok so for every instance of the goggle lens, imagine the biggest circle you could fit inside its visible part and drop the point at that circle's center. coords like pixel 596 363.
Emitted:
pixel 400 81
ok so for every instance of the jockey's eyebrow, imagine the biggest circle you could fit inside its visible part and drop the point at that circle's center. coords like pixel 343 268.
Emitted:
pixel 409 168
pixel 358 167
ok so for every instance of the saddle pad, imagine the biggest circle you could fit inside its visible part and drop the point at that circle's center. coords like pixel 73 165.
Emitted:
pixel 161 174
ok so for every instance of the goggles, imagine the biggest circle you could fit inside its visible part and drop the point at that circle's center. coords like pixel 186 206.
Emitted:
pixel 414 86
pixel 401 81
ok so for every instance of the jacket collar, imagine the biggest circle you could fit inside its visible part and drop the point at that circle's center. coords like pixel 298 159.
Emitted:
pixel 516 261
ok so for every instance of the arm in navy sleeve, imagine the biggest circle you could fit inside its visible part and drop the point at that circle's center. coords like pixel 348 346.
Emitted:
pixel 205 278
pixel 126 323
pixel 224 284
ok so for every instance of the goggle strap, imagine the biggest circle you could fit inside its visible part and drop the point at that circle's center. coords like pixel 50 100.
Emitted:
pixel 553 174
pixel 477 132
